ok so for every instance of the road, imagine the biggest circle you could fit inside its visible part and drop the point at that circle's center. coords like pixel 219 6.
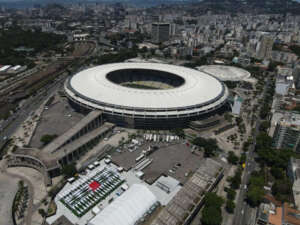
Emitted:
pixel 14 121
pixel 243 210
pixel 31 104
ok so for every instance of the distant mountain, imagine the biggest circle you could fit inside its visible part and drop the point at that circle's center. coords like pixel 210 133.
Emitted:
pixel 251 6
pixel 217 6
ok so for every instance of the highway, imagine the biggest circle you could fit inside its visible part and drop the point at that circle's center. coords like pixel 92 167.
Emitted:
pixel 243 210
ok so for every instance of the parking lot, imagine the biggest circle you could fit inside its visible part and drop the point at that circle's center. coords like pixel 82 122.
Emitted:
pixel 57 118
pixel 173 159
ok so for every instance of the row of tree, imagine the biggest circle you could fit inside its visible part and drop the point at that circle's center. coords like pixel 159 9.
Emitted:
pixel 274 163
pixel 267 101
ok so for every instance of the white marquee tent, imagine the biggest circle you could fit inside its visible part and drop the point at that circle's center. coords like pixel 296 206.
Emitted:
pixel 126 209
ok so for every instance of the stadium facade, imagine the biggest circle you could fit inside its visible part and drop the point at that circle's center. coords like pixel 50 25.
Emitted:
pixel 147 95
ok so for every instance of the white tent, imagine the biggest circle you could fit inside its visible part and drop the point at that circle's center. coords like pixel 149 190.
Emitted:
pixel 126 209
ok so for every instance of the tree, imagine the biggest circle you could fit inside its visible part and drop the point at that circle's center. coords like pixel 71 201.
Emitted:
pixel 210 145
pixel 230 206
pixel 263 141
pixel 69 170
pixel 255 189
pixel 235 181
pixel 243 158
pixel 211 214
pixel 228 117
pixel 277 173
pixel 212 199
pixel 47 138
pixel 282 189
pixel 179 132
pixel 230 194
pixel 42 212
pixel 255 195
pixel 264 126
pixel 232 158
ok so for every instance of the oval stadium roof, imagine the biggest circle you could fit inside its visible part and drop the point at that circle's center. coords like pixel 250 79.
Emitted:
pixel 92 85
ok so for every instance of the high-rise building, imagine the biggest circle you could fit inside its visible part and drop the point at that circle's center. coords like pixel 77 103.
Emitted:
pixel 265 48
pixel 160 32
pixel 296 75
pixel 287 133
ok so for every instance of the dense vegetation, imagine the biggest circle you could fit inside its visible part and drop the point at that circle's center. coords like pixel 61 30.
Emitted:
pixel 255 189
pixel 16 37
pixel 209 145
pixel 274 163
pixel 121 56
pixel 236 180
pixel 211 213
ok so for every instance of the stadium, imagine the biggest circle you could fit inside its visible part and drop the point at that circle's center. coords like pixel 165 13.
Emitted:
pixel 147 95
pixel 226 73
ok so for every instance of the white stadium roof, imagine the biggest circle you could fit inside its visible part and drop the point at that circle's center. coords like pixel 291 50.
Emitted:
pixel 92 88
pixel 225 73
pixel 126 209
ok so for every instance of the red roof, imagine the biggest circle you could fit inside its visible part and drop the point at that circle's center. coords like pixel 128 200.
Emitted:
pixel 94 185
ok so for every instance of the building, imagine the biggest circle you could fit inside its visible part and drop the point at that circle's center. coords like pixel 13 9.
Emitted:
pixel 65 149
pixel 160 32
pixel 296 75
pixel 80 37
pixel 237 105
pixel 287 133
pixel 186 204
pixel 128 209
pixel 291 216
pixel 272 212
pixel 147 95
pixel 265 48
pixel 226 73
pixel 294 174
pixel 107 196
pixel 103 194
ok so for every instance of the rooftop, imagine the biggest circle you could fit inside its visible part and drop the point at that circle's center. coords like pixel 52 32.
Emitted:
pixel 92 86
pixel 62 139
pixel 225 73
pixel 84 139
